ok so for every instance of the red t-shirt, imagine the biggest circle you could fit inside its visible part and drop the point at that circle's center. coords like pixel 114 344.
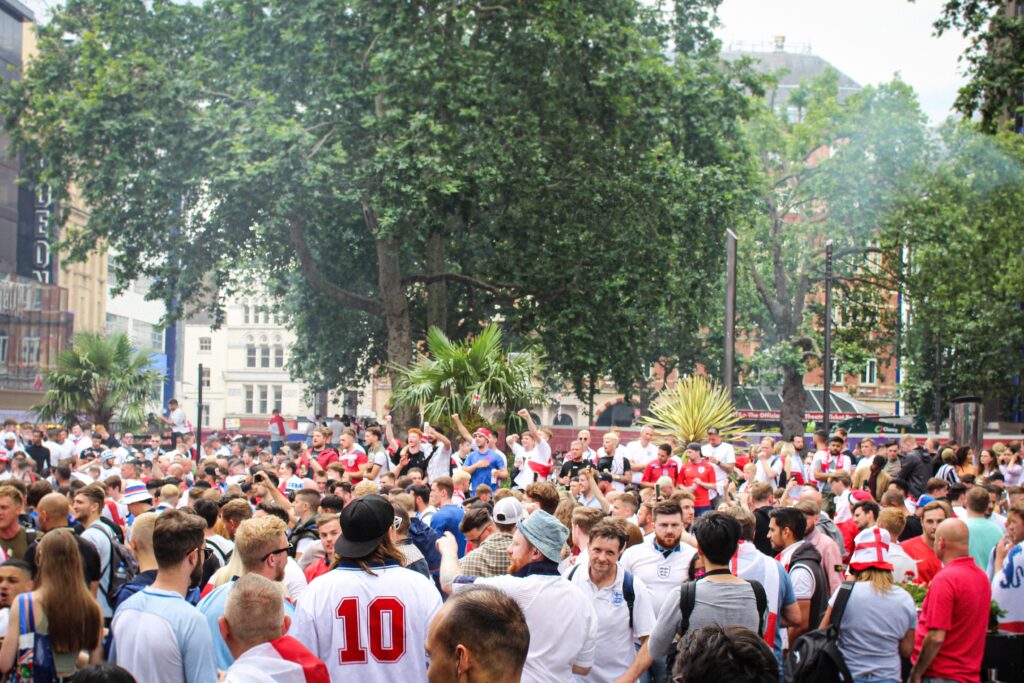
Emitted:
pixel 958 602
pixel 316 569
pixel 351 460
pixel 655 471
pixel 702 471
pixel 326 457
pixel 928 564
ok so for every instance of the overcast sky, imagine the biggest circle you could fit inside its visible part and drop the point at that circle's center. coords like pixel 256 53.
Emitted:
pixel 868 40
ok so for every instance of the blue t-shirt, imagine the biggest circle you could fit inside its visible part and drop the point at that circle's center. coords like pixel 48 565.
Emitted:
pixel 483 475
pixel 448 519
pixel 212 607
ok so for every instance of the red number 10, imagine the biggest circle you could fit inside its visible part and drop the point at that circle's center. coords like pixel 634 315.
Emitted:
pixel 386 631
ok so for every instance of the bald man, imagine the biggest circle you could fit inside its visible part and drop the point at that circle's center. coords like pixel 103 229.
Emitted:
pixel 950 639
pixel 53 510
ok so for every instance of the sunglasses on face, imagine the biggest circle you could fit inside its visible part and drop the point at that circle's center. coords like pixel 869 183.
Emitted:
pixel 285 549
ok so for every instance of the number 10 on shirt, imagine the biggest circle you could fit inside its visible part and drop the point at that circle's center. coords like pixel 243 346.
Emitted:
pixel 386 620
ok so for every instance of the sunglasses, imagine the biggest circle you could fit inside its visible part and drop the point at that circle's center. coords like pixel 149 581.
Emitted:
pixel 285 549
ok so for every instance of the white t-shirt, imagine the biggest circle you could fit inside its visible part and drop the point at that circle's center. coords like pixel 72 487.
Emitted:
pixel 658 572
pixel 774 466
pixel 540 454
pixel 440 461
pixel 80 445
pixel 556 644
pixel 639 455
pixel 100 536
pixel 844 507
pixel 177 418
pixel 828 463
pixel 724 453
pixel 801 576
pixel 613 633
pixel 59 451
pixel 387 613
pixel 294 579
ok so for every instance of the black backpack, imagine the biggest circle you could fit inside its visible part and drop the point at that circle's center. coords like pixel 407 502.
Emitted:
pixel 123 566
pixel 688 599
pixel 815 656
pixel 628 593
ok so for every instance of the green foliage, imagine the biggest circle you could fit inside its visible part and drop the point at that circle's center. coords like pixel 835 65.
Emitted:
pixel 833 173
pixel 693 406
pixel 101 379
pixel 991 62
pixel 959 222
pixel 457 378
pixel 543 161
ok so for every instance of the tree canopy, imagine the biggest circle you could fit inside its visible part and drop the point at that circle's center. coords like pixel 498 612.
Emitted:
pixel 390 166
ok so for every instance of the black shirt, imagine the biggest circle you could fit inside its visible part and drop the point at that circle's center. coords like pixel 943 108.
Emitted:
pixel 571 468
pixel 90 559
pixel 912 530
pixel 762 515
pixel 41 454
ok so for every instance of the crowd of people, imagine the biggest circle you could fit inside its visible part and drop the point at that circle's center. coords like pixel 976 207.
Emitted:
pixel 359 554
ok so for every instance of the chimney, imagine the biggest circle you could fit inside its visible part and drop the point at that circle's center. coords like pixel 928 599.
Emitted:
pixel 780 43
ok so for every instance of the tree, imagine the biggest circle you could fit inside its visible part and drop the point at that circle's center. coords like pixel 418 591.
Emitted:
pixel 390 163
pixel 691 407
pixel 457 378
pixel 959 224
pixel 831 174
pixel 995 86
pixel 101 379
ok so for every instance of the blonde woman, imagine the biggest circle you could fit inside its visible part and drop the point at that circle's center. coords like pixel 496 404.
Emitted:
pixel 872 646
pixel 61 607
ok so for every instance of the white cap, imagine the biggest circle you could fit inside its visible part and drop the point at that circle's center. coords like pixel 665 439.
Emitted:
pixel 508 511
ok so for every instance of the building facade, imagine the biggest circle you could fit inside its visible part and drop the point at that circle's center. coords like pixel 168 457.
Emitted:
pixel 244 374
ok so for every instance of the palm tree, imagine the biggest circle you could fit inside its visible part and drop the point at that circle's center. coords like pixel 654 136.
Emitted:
pixel 691 407
pixel 458 377
pixel 99 378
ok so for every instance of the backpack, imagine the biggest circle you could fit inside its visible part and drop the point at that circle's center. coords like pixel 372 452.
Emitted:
pixel 34 663
pixel 123 567
pixel 425 539
pixel 307 530
pixel 627 590
pixel 688 600
pixel 815 656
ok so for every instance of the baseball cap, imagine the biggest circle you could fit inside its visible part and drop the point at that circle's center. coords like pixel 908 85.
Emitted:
pixel 924 500
pixel 545 533
pixel 859 495
pixel 712 430
pixel 135 492
pixel 364 523
pixel 508 511
pixel 483 430
pixel 605 476
pixel 871 550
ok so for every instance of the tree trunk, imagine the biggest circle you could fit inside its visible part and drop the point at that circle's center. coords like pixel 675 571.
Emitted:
pixel 791 416
pixel 437 291
pixel 396 317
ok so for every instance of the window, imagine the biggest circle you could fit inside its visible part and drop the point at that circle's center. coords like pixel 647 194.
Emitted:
pixel 278 356
pixel 3 347
pixel 116 324
pixel 205 412
pixel 263 398
pixel 248 399
pixel 205 344
pixel 30 349
pixel 142 335
pixel 870 373
pixel 837 371
pixel 245 313
pixel 250 355
pixel 277 396
pixel 206 376
pixel 266 315
pixel 265 356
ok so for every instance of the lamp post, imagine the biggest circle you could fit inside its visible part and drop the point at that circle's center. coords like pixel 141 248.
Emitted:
pixel 730 311
pixel 827 380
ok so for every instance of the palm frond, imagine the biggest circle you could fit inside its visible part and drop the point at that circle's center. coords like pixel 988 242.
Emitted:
pixel 689 409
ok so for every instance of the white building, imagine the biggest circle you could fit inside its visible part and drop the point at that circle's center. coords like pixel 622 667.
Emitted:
pixel 129 313
pixel 244 375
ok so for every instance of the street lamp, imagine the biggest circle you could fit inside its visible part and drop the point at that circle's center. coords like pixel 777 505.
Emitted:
pixel 730 310
pixel 827 380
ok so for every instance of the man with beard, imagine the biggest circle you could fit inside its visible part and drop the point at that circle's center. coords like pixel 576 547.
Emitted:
pixel 559 647
pixel 661 562
pixel 158 636
pixel 621 602
pixel 322 453
pixel 262 546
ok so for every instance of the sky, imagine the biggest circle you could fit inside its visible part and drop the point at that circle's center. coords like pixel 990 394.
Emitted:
pixel 868 40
